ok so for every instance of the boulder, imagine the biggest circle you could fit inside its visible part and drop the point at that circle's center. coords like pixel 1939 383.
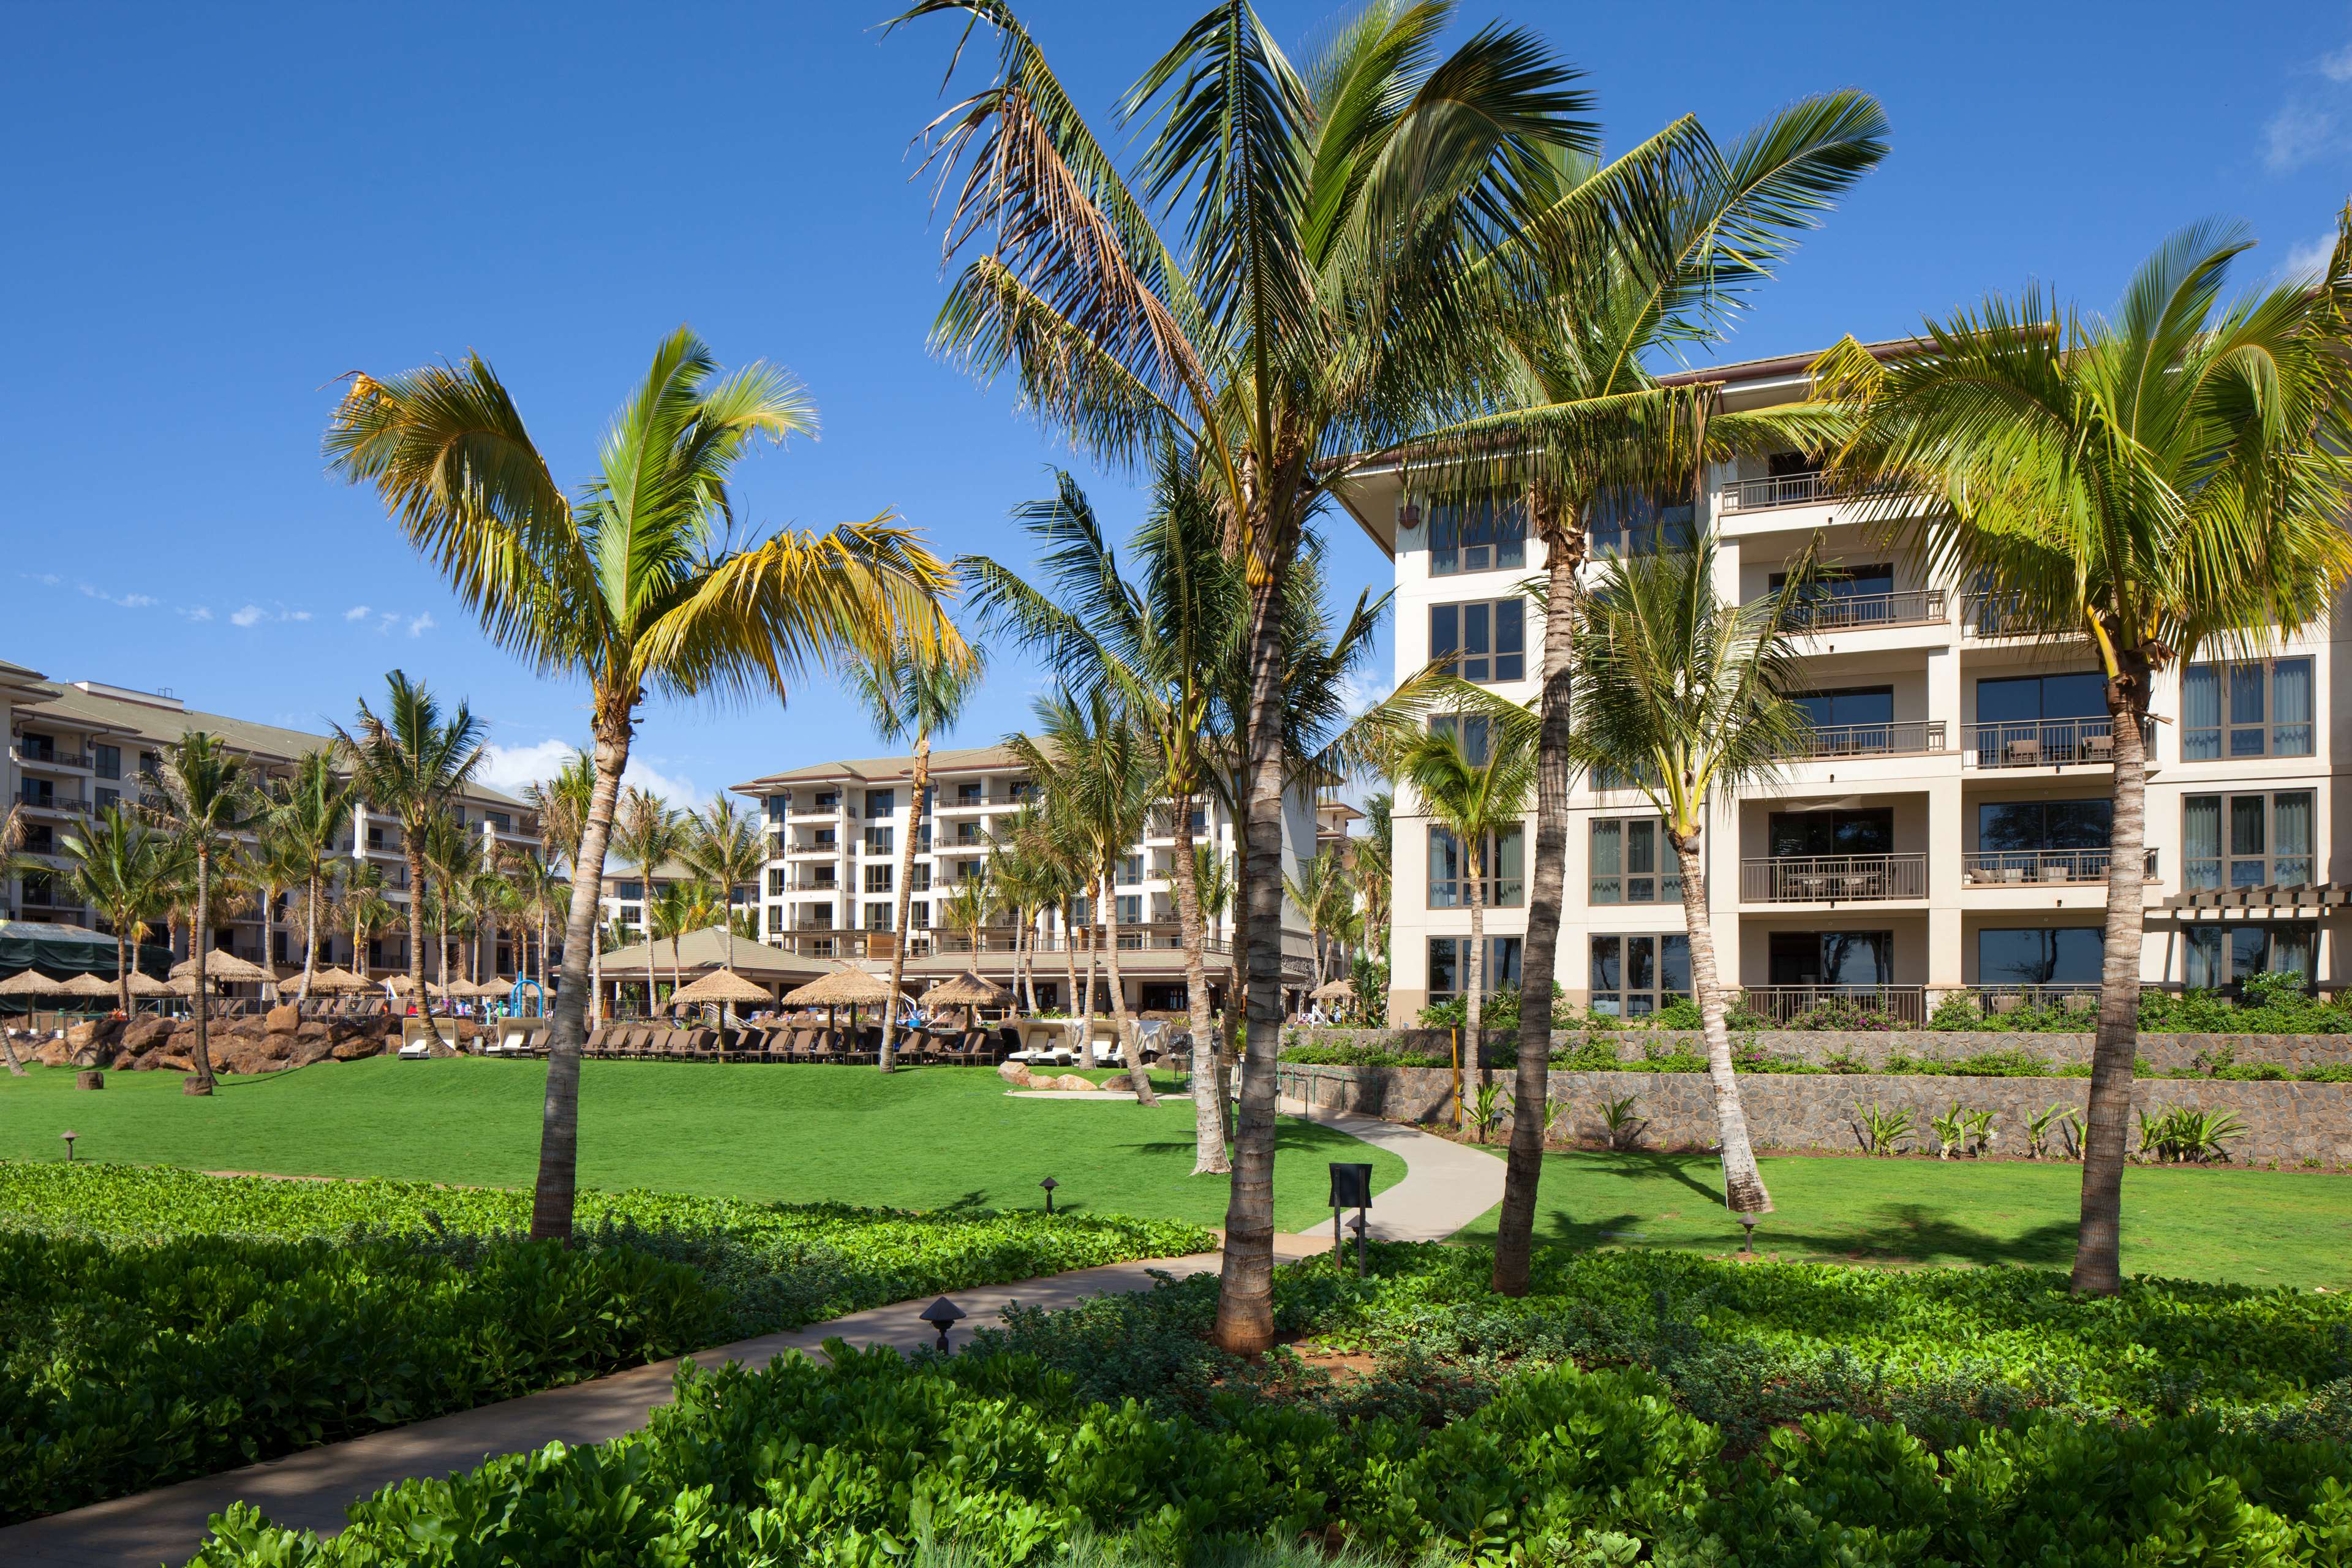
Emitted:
pixel 53 1053
pixel 283 1019
pixel 310 1051
pixel 1071 1080
pixel 167 1061
pixel 312 1029
pixel 244 1057
pixel 123 1062
pixel 82 1036
pixel 245 1028
pixel 142 1033
pixel 1014 1073
pixel 90 1080
pixel 356 1046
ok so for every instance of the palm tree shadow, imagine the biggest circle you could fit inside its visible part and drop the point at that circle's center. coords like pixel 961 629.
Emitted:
pixel 1914 1233
pixel 1637 1163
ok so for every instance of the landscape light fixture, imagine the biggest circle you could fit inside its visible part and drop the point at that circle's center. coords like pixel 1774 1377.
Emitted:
pixel 1049 1185
pixel 942 1315
pixel 1359 1227
pixel 1747 1235
pixel 68 1137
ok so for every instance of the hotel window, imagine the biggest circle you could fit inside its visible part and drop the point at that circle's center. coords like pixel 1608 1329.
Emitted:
pixel 1633 976
pixel 2041 955
pixel 1845 958
pixel 106 797
pixel 1131 908
pixel 775 881
pixel 109 760
pixel 1472 729
pixel 2036 826
pixel 877 878
pixel 919 915
pixel 1449 873
pixel 779 807
pixel 1857 718
pixel 2246 840
pixel 826 800
pixel 881 840
pixel 2213 956
pixel 1631 863
pixel 1486 639
pixel 921 882
pixel 1131 869
pixel 629 890
pixel 1823 834
pixel 1449 965
pixel 499 820
pixel 2260 708
pixel 968 794
pixel 1481 535
pixel 775 919
pixel 881 802
pixel 632 914
pixel 877 917
pixel 1024 791
pixel 1628 524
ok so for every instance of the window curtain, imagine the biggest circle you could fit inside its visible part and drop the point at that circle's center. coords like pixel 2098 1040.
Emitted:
pixel 2200 841
pixel 2201 713
pixel 2291 862
pixel 2291 708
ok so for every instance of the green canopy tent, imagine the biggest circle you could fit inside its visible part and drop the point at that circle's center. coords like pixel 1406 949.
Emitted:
pixel 61 951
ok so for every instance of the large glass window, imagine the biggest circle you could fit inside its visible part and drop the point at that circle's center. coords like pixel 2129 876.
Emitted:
pixel 2213 956
pixel 109 761
pixel 1872 705
pixel 1471 728
pixel 1449 871
pixel 1842 595
pixel 877 916
pixel 2251 709
pixel 2022 699
pixel 1449 965
pixel 881 802
pixel 2024 825
pixel 2041 955
pixel 877 878
pixel 1870 831
pixel 1634 863
pixel 1130 908
pixel 1831 957
pixel 1627 523
pixel 1486 639
pixel 2246 840
pixel 1633 976
pixel 1480 535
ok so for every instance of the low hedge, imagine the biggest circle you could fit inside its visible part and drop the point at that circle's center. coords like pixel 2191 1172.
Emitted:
pixel 1069 1428
pixel 158 1324
pixel 1601 1055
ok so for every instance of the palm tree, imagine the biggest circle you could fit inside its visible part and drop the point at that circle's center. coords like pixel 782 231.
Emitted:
pixel 362 909
pixel 648 835
pixel 309 820
pixel 1376 867
pixel 967 908
pixel 122 867
pixel 1682 695
pixel 679 907
pixel 1154 641
pixel 725 848
pixel 1024 881
pixel 541 889
pixel 208 799
pixel 911 692
pixel 1476 799
pixel 2155 484
pixel 411 761
pixel 1325 894
pixel 1098 774
pixel 1359 239
pixel 564 804
pixel 452 858
pixel 636 585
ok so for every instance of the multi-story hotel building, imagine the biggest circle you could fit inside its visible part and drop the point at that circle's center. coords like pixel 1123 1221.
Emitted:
pixel 1947 825
pixel 76 748
pixel 836 837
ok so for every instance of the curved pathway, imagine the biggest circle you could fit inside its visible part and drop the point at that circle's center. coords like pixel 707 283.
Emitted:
pixel 1445 1186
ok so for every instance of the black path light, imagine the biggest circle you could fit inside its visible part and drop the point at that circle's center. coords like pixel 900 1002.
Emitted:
pixel 1049 1185
pixel 943 1315
pixel 1352 1188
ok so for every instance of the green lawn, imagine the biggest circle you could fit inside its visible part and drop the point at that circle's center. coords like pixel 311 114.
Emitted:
pixel 2253 1227
pixel 926 1138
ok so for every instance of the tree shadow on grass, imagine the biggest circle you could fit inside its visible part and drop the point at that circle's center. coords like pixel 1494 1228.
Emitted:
pixel 1638 1163
pixel 1887 1234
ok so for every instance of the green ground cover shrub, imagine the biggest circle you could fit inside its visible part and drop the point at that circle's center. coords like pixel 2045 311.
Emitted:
pixel 1118 1423
pixel 157 1323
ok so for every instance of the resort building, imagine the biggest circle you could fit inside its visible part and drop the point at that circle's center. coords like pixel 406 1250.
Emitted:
pixel 628 894
pixel 1945 825
pixel 76 748
pixel 836 835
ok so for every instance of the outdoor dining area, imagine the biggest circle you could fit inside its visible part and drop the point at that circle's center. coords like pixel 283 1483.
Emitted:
pixel 946 1027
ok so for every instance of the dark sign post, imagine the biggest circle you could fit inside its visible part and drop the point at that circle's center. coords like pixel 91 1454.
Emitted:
pixel 1352 1188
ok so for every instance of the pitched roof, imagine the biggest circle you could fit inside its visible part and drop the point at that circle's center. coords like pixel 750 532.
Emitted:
pixel 883 770
pixel 713 947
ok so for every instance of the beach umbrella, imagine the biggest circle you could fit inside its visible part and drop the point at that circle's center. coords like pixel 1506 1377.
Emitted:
pixel 967 990
pixel 224 968
pixel 726 987
pixel 334 979
pixel 31 983
pixel 1333 990
pixel 148 985
pixel 842 988
pixel 90 985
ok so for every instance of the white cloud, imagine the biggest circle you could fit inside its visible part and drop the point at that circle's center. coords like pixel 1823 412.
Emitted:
pixel 421 625
pixel 2300 131
pixel 246 617
pixel 197 612
pixel 298 615
pixel 356 613
pixel 1361 688
pixel 126 601
pixel 46 579
pixel 509 768
pixel 2309 259
pixel 2337 67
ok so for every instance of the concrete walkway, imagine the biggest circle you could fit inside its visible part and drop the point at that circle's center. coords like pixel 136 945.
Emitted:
pixel 1445 1187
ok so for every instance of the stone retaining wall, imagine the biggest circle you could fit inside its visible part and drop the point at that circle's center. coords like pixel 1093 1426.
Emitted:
pixel 2290 1124
pixel 2165 1053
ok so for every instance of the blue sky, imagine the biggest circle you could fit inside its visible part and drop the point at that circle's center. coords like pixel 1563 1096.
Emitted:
pixel 217 211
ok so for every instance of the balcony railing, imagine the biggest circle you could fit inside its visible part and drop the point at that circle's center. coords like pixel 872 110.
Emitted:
pixel 2043 743
pixel 1832 878
pixel 1898 738
pixel 34 801
pixel 1902 1005
pixel 2032 867
pixel 2001 616
pixel 26 758
pixel 1861 612
pixel 1993 1001
pixel 1779 489
pixel 997 799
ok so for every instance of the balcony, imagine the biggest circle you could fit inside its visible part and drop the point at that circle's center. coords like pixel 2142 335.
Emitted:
pixel 819 849
pixel 1903 1006
pixel 1832 878
pixel 27 757
pixel 2004 615
pixel 1865 612
pixel 1903 737
pixel 40 800
pixel 830 885
pixel 988 800
pixel 796 812
pixel 2039 868
pixel 2043 743
pixel 1779 489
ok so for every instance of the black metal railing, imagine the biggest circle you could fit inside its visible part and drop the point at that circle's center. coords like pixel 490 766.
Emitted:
pixel 2044 742
pixel 1832 878
pixel 2015 867
pixel 1901 1004
pixel 1841 612
pixel 1897 738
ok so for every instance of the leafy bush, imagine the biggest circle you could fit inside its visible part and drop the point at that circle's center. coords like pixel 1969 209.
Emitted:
pixel 1638 1408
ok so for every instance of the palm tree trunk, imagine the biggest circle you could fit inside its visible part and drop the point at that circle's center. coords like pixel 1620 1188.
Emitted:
pixel 309 937
pixel 1208 1116
pixel 1131 1052
pixel 203 1082
pixel 1069 961
pixel 888 1060
pixel 1546 887
pixel 559 1139
pixel 2098 1246
pixel 122 968
pixel 1743 1184
pixel 1474 1001
pixel 1085 1013
pixel 1244 1322
pixel 414 844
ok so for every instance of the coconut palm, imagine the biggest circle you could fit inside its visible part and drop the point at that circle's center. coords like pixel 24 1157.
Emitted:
pixel 1325 894
pixel 683 906
pixel 208 798
pixel 966 909
pixel 563 803
pixel 452 858
pixel 648 835
pixel 911 692
pixel 123 866
pixel 2155 484
pixel 1376 867
pixel 1028 884
pixel 638 586
pixel 1477 798
pixel 542 889
pixel 1098 774
pixel 1153 640
pixel 312 813
pixel 412 762
pixel 1687 699
pixel 361 910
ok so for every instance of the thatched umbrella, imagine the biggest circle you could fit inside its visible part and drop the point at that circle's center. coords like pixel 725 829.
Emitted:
pixel 331 980
pixel 850 988
pixel 1333 990
pixel 148 985
pixel 224 968
pixel 967 990
pixel 31 983
pixel 90 985
pixel 724 987
pixel 185 984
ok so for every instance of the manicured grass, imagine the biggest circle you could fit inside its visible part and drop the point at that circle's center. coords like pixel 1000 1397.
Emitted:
pixel 2250 1228
pixel 926 1138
